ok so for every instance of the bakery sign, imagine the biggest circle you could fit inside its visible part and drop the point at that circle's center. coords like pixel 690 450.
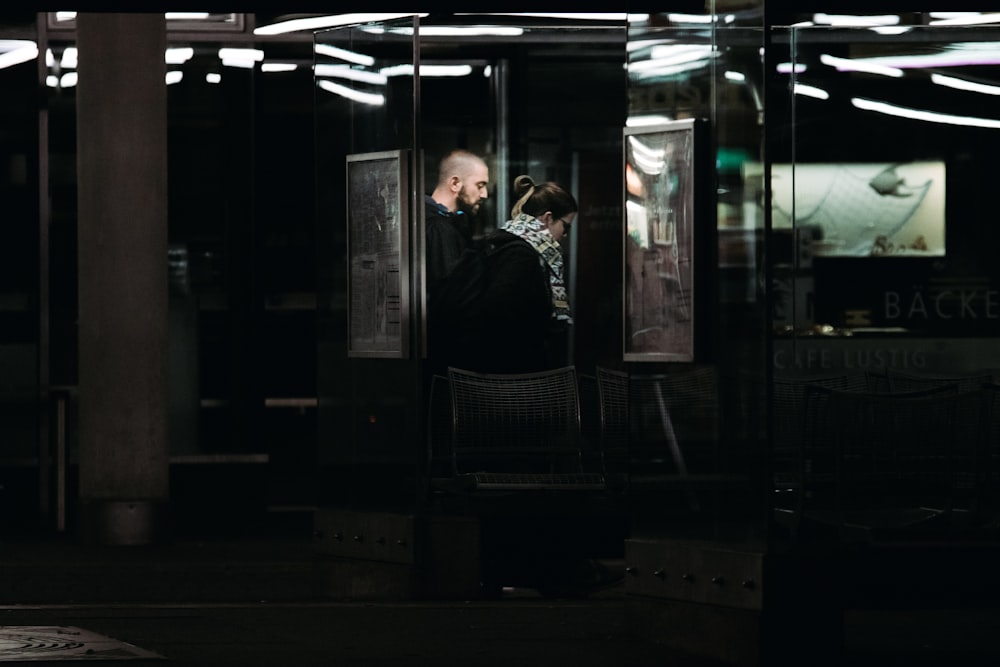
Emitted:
pixel 940 303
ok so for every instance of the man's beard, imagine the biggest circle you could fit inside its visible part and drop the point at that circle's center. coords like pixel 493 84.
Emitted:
pixel 471 208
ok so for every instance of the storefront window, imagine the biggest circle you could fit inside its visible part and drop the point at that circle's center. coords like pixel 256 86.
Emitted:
pixel 883 278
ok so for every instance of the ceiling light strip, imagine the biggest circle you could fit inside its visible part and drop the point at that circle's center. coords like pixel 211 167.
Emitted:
pixel 920 114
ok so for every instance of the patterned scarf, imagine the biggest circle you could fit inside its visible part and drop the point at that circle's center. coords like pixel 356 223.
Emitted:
pixel 535 233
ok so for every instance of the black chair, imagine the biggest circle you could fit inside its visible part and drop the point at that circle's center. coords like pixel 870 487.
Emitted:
pixel 591 430
pixel 439 425
pixel 788 426
pixel 514 432
pixel 989 473
pixel 655 424
pixel 883 466
pixel 612 398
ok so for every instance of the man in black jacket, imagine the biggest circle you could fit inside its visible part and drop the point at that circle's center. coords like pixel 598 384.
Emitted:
pixel 463 178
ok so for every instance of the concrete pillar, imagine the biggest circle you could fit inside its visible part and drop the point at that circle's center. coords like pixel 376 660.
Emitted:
pixel 123 294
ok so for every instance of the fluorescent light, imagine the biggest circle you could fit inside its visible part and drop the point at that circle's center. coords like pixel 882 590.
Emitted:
pixel 642 150
pixel 16 52
pixel 179 56
pixel 810 91
pixel 213 77
pixel 240 63
pixel 185 16
pixel 848 65
pixel 445 70
pixel 248 54
pixel 344 54
pixel 690 18
pixel 650 160
pixel 174 76
pixel 322 22
pixel 68 80
pixel 963 84
pixel 929 116
pixel 668 60
pixel 374 99
pixel 69 58
pixel 789 68
pixel 580 16
pixel 243 58
pixel 642 121
pixel 956 55
pixel 428 70
pixel 347 72
pixel 451 31
pixel 636 44
pixel 735 77
pixel 671 59
pixel 655 70
pixel 963 18
pixel 278 67
pixel 850 20
pixel 678 54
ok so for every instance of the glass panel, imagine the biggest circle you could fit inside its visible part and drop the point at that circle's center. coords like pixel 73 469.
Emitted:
pixel 885 178
pixel 240 222
pixel 369 407
pixel 517 103
pixel 19 202
pixel 521 106
pixel 61 91
pixel 215 307
pixel 697 432
pixel 19 274
pixel 543 97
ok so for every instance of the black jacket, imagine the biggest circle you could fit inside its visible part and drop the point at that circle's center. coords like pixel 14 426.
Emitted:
pixel 512 330
pixel 517 309
pixel 448 234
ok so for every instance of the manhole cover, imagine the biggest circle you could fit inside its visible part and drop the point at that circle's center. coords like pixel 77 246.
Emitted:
pixel 24 643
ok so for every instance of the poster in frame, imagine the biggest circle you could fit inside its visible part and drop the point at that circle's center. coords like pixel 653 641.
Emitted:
pixel 659 252
pixel 377 281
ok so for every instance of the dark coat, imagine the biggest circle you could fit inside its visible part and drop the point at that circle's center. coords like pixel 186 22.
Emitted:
pixel 516 314
pixel 510 327
pixel 448 234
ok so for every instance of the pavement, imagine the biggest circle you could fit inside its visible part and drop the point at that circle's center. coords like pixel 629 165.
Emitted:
pixel 252 603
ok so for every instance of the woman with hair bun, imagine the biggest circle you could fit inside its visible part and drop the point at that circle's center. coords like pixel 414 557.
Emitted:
pixel 525 314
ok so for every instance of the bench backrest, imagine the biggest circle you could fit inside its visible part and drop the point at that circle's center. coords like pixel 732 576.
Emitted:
pixel 525 422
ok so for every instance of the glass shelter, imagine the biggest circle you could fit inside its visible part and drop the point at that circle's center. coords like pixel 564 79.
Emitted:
pixel 783 354
pixel 670 334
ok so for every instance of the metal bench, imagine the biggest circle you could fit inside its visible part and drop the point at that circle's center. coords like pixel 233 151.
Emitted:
pixel 517 432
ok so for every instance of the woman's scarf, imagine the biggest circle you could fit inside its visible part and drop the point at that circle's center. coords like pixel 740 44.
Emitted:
pixel 537 235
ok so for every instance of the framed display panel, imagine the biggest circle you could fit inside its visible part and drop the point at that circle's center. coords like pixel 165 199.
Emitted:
pixel 659 211
pixel 378 284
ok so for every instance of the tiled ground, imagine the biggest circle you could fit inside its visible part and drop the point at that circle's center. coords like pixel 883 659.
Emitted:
pixel 250 604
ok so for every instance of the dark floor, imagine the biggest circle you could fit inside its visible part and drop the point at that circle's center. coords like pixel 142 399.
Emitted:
pixel 254 602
